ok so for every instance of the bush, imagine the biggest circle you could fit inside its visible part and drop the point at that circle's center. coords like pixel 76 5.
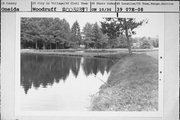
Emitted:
pixel 145 45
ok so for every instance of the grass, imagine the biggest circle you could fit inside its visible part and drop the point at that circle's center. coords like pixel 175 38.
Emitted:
pixel 132 86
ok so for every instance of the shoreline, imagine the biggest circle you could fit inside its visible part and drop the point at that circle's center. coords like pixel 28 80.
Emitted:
pixel 88 50
pixel 105 53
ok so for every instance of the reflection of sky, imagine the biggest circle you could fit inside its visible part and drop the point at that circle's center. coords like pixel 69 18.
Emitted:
pixel 73 94
pixel 152 29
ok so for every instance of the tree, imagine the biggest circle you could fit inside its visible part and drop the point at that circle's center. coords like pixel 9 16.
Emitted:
pixel 121 41
pixel 87 31
pixel 66 33
pixel 44 33
pixel 156 43
pixel 118 26
pixel 145 43
pixel 75 34
pixel 96 35
pixel 110 28
pixel 34 30
pixel 103 41
pixel 30 30
pixel 24 36
pixel 59 33
pixel 45 25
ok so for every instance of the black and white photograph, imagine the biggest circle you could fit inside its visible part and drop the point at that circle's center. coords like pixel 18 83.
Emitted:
pixel 90 62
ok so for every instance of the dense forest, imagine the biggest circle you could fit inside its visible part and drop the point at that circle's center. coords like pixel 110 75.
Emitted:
pixel 56 33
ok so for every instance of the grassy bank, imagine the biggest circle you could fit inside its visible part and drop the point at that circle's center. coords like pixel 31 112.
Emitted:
pixel 132 86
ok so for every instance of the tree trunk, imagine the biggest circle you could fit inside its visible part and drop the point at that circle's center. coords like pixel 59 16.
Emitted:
pixel 44 46
pixel 56 45
pixel 129 46
pixel 36 44
pixel 128 42
pixel 50 46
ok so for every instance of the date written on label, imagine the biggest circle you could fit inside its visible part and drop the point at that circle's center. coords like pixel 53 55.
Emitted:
pixel 129 9
pixel 101 9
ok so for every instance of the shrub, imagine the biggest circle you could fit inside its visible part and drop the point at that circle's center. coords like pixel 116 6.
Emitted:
pixel 145 45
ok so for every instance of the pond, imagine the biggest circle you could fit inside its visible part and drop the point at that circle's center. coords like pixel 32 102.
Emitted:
pixel 61 83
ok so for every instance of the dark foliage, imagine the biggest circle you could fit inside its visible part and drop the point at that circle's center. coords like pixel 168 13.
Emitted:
pixel 114 27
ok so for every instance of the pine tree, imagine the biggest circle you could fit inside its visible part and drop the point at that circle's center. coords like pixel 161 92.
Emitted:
pixel 96 35
pixel 87 30
pixel 76 34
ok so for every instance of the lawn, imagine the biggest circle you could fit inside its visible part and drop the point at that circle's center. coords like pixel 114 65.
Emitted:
pixel 132 86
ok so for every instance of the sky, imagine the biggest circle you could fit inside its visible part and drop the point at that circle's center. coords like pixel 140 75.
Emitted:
pixel 153 28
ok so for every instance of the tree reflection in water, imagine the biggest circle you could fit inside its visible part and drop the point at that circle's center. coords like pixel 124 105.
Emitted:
pixel 44 70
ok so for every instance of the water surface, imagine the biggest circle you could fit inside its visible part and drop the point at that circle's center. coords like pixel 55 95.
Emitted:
pixel 61 82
